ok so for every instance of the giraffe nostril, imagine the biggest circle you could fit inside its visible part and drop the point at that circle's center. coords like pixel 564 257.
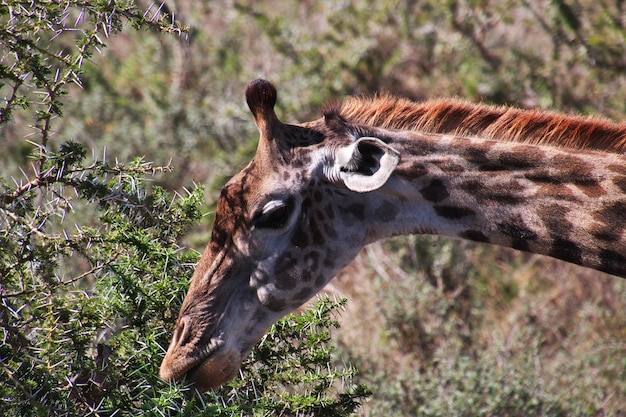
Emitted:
pixel 182 334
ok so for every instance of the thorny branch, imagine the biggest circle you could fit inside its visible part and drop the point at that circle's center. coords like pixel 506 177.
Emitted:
pixel 67 282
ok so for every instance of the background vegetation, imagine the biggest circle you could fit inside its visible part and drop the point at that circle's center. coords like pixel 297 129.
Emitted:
pixel 98 242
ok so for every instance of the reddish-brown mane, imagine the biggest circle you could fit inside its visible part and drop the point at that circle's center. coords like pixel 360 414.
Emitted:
pixel 492 122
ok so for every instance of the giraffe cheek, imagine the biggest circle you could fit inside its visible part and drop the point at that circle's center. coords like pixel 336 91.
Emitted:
pixel 270 300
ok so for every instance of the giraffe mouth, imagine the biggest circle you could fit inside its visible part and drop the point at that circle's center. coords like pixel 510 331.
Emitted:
pixel 217 366
pixel 177 365
pixel 215 344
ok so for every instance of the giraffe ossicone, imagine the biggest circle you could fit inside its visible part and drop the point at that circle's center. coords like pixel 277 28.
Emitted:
pixel 370 168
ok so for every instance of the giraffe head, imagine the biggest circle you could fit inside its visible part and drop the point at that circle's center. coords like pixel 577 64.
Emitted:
pixel 283 228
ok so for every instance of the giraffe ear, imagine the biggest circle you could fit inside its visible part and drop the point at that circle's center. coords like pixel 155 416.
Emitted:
pixel 261 98
pixel 366 164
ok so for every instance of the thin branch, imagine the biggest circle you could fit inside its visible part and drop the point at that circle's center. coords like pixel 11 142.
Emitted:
pixel 77 278
pixel 9 106
pixel 40 181
pixel 18 219
pixel 460 25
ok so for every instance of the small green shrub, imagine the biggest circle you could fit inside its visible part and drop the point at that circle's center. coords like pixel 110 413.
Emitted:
pixel 91 272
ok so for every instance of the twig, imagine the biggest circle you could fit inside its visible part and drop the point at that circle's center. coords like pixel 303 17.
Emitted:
pixel 61 283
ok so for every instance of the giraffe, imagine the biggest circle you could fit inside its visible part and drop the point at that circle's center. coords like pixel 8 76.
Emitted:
pixel 372 167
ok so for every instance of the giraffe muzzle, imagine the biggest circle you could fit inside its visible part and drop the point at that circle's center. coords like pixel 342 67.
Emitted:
pixel 215 370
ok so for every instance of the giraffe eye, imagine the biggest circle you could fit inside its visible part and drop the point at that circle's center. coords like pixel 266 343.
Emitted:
pixel 275 214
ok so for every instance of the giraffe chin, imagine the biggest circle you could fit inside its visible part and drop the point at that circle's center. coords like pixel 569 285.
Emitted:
pixel 214 371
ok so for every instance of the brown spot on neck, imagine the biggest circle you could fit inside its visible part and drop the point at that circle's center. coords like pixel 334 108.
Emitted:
pixel 435 191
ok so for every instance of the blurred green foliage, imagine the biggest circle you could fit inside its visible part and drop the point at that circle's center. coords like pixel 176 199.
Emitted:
pixel 93 264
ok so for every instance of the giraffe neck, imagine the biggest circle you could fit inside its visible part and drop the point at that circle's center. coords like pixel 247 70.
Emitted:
pixel 568 204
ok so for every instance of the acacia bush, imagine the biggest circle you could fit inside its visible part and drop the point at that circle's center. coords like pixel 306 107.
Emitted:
pixel 91 274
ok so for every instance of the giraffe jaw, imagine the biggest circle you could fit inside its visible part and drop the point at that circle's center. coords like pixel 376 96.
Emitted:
pixel 212 367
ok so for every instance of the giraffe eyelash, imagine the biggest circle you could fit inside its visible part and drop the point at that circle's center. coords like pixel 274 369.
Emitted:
pixel 275 214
